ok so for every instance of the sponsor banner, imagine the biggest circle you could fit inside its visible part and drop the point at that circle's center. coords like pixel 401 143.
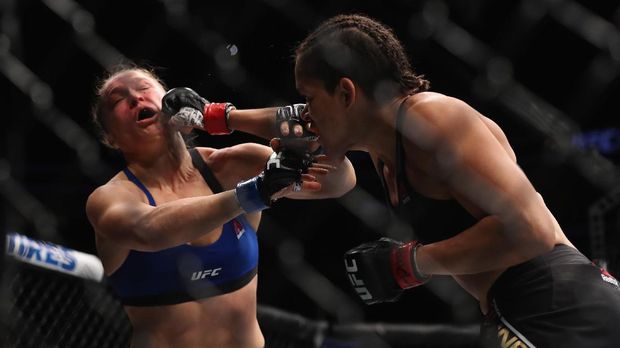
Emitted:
pixel 54 257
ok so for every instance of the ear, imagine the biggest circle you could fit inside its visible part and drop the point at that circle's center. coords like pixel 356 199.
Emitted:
pixel 348 91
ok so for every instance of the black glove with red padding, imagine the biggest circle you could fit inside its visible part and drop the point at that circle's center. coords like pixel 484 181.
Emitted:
pixel 257 193
pixel 186 108
pixel 380 270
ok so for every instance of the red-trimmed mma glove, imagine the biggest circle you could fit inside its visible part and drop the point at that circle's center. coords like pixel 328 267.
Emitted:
pixel 256 194
pixel 380 270
pixel 188 109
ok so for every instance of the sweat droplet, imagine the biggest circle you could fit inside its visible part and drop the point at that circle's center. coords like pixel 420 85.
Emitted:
pixel 232 49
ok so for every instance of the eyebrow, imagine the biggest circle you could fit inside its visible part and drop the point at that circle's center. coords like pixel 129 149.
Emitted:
pixel 119 89
pixel 141 79
pixel 115 90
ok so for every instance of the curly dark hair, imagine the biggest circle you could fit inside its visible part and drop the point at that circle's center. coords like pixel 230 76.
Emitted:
pixel 362 49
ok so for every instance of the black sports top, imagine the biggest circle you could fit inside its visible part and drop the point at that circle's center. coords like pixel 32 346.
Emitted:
pixel 432 219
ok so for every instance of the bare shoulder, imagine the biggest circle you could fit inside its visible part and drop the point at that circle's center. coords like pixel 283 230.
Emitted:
pixel 236 163
pixel 438 107
pixel 433 117
pixel 118 189
pixel 447 116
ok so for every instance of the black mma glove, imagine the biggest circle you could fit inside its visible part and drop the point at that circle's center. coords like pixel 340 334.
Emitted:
pixel 380 270
pixel 292 116
pixel 188 109
pixel 295 147
pixel 295 159
pixel 255 194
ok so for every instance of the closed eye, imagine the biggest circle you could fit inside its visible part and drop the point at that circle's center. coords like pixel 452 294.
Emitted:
pixel 116 95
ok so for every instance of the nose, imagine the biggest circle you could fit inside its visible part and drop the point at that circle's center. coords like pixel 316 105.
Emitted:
pixel 134 97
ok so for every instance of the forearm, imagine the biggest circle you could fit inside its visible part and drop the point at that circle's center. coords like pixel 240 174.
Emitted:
pixel 484 247
pixel 339 181
pixel 260 122
pixel 184 220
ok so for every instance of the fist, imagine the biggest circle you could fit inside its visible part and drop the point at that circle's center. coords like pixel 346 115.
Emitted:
pixel 180 97
pixel 289 121
pixel 184 107
pixel 188 110
pixel 257 193
pixel 369 270
pixel 380 270
pixel 292 128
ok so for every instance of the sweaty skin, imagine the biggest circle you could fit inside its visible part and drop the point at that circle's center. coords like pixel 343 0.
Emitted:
pixel 187 211
pixel 452 152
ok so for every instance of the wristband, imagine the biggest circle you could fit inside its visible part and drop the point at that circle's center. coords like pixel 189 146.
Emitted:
pixel 249 197
pixel 216 118
pixel 414 263
pixel 403 266
pixel 229 107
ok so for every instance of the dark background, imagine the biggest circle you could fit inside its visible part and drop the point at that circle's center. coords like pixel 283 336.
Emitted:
pixel 546 71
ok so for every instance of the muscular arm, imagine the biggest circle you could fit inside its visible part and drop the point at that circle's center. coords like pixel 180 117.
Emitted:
pixel 515 224
pixel 260 122
pixel 118 214
pixel 244 161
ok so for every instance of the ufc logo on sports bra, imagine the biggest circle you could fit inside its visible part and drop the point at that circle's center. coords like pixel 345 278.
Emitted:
pixel 206 273
pixel 358 284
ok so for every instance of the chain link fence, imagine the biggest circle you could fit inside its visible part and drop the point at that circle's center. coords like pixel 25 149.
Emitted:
pixel 502 58
pixel 47 309
pixel 44 306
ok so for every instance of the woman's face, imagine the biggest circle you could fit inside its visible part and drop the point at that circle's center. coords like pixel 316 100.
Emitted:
pixel 327 113
pixel 132 103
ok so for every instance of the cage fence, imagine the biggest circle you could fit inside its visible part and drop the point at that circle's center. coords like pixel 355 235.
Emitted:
pixel 53 296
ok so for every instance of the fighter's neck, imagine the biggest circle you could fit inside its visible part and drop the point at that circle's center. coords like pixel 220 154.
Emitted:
pixel 379 139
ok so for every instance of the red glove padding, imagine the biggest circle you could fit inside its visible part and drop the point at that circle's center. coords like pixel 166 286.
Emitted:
pixel 380 270
pixel 186 108
pixel 402 262
pixel 215 118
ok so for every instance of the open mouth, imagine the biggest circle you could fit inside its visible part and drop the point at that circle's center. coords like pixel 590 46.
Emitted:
pixel 146 113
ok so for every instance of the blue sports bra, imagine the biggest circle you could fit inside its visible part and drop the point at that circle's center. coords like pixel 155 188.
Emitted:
pixel 186 273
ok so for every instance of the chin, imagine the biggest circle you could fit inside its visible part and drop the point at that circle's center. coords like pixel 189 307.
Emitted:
pixel 333 152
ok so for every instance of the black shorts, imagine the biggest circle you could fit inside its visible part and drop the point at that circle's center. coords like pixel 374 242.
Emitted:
pixel 559 299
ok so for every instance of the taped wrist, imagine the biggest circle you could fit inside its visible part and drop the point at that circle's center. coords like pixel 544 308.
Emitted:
pixel 216 118
pixel 249 195
pixel 404 268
